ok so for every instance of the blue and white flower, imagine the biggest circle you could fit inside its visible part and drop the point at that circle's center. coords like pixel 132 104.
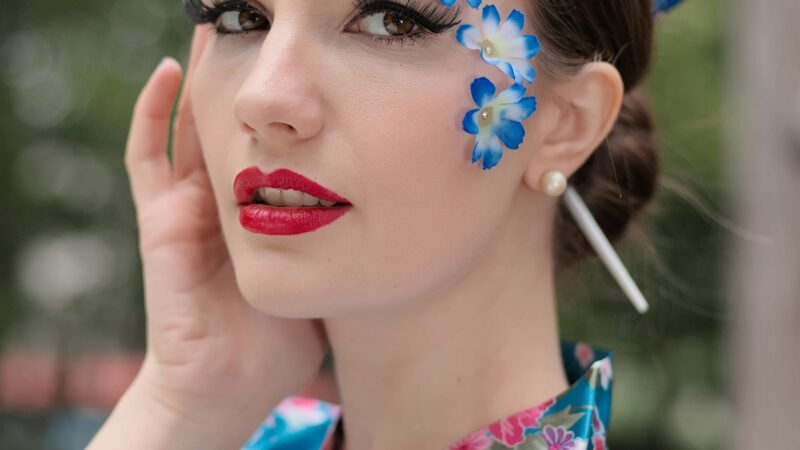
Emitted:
pixel 473 3
pixel 503 45
pixel 662 6
pixel 496 121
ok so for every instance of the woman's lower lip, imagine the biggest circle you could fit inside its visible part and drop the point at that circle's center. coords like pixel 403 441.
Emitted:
pixel 265 219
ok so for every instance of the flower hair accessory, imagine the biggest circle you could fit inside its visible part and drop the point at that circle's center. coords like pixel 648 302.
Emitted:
pixel 503 45
pixel 497 120
pixel 662 6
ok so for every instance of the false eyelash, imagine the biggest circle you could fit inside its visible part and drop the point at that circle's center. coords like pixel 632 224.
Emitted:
pixel 430 17
pixel 200 13
pixel 433 18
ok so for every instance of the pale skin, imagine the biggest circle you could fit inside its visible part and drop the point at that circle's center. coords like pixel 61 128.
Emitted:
pixel 435 293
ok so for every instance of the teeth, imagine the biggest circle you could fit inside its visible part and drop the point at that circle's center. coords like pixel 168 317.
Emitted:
pixel 290 198
pixel 271 196
pixel 310 200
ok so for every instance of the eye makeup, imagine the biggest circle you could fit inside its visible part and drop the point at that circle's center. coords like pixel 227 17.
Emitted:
pixel 417 19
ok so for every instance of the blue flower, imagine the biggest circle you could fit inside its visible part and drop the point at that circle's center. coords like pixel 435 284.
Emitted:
pixel 503 45
pixel 665 5
pixel 473 3
pixel 497 120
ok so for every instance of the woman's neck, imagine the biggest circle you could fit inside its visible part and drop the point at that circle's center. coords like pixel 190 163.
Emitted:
pixel 429 374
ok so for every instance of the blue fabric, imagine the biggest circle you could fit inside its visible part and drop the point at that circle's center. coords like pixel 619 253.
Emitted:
pixel 576 419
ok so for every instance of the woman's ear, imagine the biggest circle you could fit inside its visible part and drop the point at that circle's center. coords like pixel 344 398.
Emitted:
pixel 583 109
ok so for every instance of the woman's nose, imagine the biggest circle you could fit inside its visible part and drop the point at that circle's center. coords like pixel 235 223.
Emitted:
pixel 279 102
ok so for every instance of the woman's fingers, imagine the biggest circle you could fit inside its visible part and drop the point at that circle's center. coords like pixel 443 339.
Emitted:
pixel 146 155
pixel 187 154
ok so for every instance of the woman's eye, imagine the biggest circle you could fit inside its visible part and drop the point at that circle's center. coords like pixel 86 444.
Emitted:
pixel 388 23
pixel 241 21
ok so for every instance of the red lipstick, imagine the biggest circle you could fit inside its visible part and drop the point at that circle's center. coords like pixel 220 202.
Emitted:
pixel 258 217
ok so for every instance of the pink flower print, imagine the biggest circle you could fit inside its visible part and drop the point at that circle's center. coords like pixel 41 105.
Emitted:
pixel 584 354
pixel 558 438
pixel 597 424
pixel 606 372
pixel 303 402
pixel 530 417
pixel 475 441
pixel 511 430
pixel 599 442
pixel 508 431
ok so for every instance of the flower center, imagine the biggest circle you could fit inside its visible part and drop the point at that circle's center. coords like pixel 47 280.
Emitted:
pixel 488 48
pixel 486 116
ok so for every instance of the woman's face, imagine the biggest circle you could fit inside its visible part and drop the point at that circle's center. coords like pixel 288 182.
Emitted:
pixel 377 123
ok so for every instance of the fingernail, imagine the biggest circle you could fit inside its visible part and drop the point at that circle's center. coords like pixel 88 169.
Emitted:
pixel 163 61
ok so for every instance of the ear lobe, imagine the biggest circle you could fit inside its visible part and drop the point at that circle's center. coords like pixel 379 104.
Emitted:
pixel 586 107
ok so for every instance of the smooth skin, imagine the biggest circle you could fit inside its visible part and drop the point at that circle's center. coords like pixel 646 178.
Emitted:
pixel 465 322
pixel 214 366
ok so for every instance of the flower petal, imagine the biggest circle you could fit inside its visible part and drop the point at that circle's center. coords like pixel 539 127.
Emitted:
pixel 519 111
pixel 474 3
pixel 469 36
pixel 523 47
pixel 523 70
pixel 510 95
pixel 491 20
pixel 493 154
pixel 449 3
pixel 470 122
pixel 482 91
pixel 513 26
pixel 488 148
pixel 507 68
pixel 511 133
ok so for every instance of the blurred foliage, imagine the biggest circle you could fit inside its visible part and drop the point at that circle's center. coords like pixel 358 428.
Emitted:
pixel 70 274
pixel 670 382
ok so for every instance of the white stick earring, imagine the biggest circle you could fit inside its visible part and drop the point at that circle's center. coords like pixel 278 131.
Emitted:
pixel 555 184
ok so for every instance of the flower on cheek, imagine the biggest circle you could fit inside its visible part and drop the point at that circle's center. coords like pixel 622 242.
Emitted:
pixel 503 46
pixel 473 3
pixel 496 121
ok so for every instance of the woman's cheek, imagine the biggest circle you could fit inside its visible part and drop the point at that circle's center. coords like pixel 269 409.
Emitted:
pixel 219 136
pixel 421 197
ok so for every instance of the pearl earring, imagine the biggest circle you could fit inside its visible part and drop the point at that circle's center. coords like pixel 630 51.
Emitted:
pixel 554 183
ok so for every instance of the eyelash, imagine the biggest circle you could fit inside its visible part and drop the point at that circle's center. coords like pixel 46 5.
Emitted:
pixel 431 19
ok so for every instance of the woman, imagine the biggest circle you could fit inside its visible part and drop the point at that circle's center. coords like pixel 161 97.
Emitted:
pixel 356 176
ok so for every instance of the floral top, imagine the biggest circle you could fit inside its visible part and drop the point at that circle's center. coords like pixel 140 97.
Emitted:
pixel 575 419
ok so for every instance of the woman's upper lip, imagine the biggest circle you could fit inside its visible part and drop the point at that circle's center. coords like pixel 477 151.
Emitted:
pixel 249 180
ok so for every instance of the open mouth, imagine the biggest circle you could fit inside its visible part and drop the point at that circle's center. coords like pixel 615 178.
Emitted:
pixel 285 203
pixel 283 188
pixel 290 198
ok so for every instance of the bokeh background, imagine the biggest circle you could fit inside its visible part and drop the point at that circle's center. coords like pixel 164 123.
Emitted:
pixel 71 312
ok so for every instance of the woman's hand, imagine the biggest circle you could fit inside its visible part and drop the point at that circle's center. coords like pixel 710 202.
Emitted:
pixel 211 358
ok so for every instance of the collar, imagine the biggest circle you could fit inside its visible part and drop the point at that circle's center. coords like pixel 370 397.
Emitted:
pixel 575 419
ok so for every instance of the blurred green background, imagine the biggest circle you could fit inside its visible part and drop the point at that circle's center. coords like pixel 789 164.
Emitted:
pixel 70 280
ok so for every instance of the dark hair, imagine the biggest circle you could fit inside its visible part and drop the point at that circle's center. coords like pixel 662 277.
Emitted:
pixel 620 177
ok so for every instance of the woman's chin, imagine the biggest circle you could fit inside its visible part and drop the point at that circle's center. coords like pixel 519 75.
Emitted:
pixel 286 296
pixel 276 301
